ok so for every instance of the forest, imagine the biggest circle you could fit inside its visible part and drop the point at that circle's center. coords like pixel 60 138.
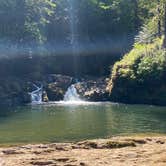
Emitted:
pixel 82 82
pixel 121 40
pixel 30 22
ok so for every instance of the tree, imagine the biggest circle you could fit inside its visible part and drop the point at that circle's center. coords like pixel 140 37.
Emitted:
pixel 37 21
pixel 37 16
pixel 164 24
pixel 159 19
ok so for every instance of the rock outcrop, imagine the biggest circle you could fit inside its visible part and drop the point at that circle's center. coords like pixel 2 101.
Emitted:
pixel 93 89
pixel 57 86
pixel 14 91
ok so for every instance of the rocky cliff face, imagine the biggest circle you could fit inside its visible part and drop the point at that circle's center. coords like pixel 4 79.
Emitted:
pixel 93 89
pixel 14 91
pixel 89 89
pixel 140 77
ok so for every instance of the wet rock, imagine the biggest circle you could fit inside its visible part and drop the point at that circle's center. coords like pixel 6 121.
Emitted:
pixel 15 91
pixel 160 142
pixel 43 146
pixel 113 144
pixel 55 93
pixel 11 151
pixel 91 145
pixel 93 89
pixel 45 97
pixel 148 139
pixel 62 159
pixel 58 86
pixel 82 164
pixel 139 141
pixel 37 152
pixel 103 144
pixel 49 151
pixel 40 163
pixel 60 148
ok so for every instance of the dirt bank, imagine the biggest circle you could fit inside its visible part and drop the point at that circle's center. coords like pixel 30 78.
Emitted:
pixel 118 151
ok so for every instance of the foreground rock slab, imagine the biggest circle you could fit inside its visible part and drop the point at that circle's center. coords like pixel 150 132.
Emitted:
pixel 117 151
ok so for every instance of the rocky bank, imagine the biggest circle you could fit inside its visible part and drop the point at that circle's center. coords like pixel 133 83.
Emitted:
pixel 117 151
pixel 15 91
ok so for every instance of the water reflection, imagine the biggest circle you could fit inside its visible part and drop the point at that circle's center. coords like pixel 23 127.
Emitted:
pixel 58 122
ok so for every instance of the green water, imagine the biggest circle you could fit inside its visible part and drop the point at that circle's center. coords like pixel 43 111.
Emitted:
pixel 59 122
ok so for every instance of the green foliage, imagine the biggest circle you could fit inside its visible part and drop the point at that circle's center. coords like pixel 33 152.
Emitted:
pixel 147 33
pixel 46 20
pixel 141 62
pixel 37 16
pixel 27 19
pixel 152 68
pixel 140 76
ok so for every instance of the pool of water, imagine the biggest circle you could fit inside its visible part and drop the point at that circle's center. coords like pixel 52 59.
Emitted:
pixel 57 122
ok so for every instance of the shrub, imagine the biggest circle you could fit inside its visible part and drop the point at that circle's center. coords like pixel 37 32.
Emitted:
pixel 140 75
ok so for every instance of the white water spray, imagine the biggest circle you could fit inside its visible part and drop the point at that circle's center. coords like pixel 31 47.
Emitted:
pixel 36 95
pixel 71 95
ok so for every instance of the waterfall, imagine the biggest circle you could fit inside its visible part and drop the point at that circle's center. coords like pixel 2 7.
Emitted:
pixel 36 95
pixel 71 94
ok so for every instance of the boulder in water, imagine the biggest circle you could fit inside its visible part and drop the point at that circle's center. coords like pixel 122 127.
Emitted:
pixel 58 86
pixel 93 89
pixel 45 97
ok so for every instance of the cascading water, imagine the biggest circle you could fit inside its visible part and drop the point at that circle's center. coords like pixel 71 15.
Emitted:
pixel 71 94
pixel 36 95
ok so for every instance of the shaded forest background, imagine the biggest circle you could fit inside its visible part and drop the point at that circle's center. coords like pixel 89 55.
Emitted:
pixel 81 39
pixel 38 33
pixel 48 21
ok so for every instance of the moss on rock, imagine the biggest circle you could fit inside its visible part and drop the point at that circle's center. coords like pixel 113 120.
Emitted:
pixel 140 77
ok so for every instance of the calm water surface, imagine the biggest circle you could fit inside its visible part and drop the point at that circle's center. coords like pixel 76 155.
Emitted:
pixel 67 122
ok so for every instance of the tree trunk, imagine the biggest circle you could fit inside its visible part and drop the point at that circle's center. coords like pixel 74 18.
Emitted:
pixel 164 42
pixel 159 20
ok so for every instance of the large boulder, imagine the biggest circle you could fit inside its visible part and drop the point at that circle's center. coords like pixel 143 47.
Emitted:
pixel 13 91
pixel 93 89
pixel 58 86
